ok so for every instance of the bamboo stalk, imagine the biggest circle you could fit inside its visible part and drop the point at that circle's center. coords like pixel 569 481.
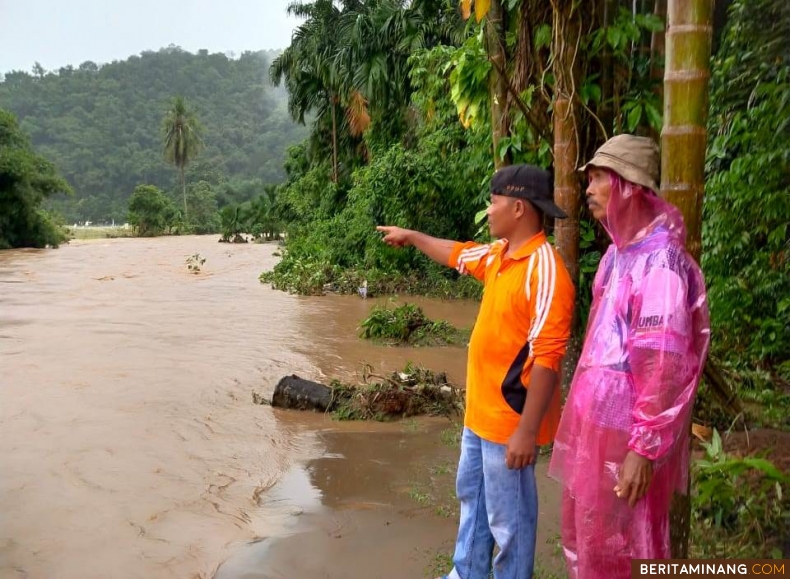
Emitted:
pixel 684 136
pixel 683 143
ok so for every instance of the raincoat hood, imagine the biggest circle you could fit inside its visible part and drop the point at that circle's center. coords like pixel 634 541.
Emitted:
pixel 635 212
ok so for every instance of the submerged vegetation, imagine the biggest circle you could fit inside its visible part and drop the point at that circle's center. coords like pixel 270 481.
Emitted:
pixel 407 324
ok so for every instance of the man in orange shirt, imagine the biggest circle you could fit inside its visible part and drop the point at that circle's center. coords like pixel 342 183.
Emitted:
pixel 512 395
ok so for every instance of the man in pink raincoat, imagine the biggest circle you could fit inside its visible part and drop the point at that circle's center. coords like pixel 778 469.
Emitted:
pixel 623 441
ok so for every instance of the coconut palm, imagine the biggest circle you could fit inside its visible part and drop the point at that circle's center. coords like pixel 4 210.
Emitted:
pixel 182 139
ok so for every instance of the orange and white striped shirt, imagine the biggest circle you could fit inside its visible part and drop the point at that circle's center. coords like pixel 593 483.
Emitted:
pixel 524 319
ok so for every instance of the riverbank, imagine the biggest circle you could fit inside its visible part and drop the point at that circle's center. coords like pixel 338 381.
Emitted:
pixel 380 503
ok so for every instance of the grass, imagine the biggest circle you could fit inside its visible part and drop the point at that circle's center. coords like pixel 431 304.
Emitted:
pixel 451 436
pixel 443 511
pixel 541 573
pixel 418 495
pixel 442 468
pixel 436 489
pixel 441 565
pixel 413 426
pixel 98 232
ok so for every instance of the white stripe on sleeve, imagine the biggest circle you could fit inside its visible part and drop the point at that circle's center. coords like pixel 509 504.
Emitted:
pixel 547 255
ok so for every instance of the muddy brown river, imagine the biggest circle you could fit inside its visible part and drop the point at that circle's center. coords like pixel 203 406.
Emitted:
pixel 130 444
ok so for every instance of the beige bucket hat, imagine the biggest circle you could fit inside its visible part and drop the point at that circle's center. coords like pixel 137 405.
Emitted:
pixel 635 159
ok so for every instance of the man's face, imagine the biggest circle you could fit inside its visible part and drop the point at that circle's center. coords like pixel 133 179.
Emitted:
pixel 598 192
pixel 502 215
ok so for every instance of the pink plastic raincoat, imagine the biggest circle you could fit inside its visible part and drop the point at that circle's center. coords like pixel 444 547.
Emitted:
pixel 645 348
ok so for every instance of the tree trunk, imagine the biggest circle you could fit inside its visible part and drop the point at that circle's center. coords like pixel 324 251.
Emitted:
pixel 184 189
pixel 683 143
pixel 567 193
pixel 566 132
pixel 499 83
pixel 566 183
pixel 334 141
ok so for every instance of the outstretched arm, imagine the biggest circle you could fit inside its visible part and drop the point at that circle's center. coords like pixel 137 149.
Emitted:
pixel 437 249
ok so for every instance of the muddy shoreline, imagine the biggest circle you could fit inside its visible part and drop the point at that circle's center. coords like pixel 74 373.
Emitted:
pixel 379 503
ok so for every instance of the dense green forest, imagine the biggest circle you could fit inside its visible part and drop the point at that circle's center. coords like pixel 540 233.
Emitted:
pixel 101 126
pixel 27 180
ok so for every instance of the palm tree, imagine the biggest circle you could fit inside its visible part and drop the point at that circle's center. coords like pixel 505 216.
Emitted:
pixel 376 40
pixel 348 62
pixel 182 139
pixel 307 66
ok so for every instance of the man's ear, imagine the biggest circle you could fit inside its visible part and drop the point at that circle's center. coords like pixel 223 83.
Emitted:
pixel 520 207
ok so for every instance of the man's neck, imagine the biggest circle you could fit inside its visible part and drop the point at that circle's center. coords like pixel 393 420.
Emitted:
pixel 517 240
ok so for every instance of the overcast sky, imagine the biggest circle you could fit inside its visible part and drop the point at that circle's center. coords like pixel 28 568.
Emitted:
pixel 60 32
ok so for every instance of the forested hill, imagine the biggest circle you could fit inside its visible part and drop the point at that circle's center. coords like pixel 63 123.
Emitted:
pixel 101 125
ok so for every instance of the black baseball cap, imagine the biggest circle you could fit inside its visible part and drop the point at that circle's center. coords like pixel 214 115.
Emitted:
pixel 530 183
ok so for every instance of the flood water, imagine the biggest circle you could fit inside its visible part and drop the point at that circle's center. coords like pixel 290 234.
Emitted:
pixel 130 444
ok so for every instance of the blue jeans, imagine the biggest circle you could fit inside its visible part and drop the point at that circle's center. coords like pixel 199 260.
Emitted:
pixel 498 505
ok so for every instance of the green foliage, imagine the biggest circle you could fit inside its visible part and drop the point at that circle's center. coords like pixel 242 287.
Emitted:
pixel 255 218
pixel 435 189
pixel 308 276
pixel 766 405
pixel 202 202
pixel 233 224
pixel 589 259
pixel 408 324
pixel 101 125
pixel 181 130
pixel 347 64
pixel 635 99
pixel 746 236
pixel 470 69
pixel 151 212
pixel 452 436
pixel 26 181
pixel 740 506
pixel 364 68
pixel 440 182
